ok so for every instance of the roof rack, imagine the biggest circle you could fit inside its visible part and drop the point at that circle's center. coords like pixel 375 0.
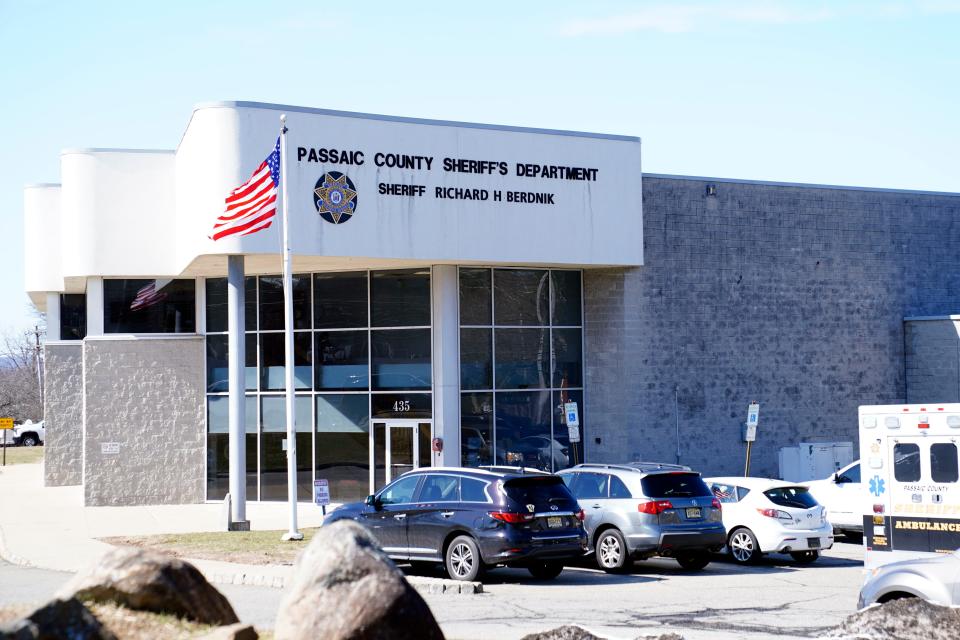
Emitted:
pixel 502 468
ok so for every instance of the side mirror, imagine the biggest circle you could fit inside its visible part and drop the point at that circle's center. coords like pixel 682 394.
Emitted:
pixel 371 501
pixel 836 477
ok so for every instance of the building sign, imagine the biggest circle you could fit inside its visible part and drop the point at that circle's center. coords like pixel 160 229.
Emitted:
pixel 109 448
pixel 377 187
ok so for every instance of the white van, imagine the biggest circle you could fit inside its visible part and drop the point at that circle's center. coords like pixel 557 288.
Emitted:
pixel 909 467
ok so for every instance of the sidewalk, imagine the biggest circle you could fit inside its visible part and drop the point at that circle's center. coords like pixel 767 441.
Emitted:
pixel 49 528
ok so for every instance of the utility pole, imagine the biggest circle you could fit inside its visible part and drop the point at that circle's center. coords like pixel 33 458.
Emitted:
pixel 36 357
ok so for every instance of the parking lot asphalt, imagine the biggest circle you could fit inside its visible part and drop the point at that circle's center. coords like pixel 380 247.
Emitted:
pixel 773 599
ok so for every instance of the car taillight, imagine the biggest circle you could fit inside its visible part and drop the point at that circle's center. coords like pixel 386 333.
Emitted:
pixel 581 516
pixel 654 507
pixel 716 504
pixel 776 513
pixel 511 517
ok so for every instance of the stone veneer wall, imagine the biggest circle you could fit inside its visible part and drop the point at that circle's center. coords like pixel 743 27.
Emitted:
pixel 63 413
pixel 790 295
pixel 932 359
pixel 146 395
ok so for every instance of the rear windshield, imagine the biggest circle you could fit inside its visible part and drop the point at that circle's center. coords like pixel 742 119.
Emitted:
pixel 796 497
pixel 537 490
pixel 674 485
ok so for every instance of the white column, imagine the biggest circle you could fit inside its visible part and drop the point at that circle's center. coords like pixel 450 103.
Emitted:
pixel 237 436
pixel 53 317
pixel 446 364
pixel 94 306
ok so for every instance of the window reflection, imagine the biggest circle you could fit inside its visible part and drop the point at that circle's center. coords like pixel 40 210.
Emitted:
pixel 401 359
pixel 273 360
pixel 400 298
pixel 520 297
pixel 341 360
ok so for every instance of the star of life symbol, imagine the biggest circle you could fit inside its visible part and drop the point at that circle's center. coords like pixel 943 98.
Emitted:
pixel 335 197
pixel 877 485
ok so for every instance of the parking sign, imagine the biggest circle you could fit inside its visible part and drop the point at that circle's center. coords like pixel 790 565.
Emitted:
pixel 321 492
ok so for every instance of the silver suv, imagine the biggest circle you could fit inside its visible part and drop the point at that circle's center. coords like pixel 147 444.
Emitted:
pixel 643 509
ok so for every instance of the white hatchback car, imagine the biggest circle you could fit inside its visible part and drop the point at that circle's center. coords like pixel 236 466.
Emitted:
pixel 771 516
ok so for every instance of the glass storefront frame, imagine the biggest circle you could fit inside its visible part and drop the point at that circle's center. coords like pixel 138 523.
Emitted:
pixel 421 396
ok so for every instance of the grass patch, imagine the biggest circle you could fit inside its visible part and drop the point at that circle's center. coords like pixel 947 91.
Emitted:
pixel 22 455
pixel 244 547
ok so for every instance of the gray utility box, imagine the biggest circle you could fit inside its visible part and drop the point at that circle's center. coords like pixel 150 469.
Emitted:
pixel 814 460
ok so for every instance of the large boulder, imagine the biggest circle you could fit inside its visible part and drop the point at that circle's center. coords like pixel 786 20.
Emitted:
pixel 566 632
pixel 151 581
pixel 905 619
pixel 345 588
pixel 57 619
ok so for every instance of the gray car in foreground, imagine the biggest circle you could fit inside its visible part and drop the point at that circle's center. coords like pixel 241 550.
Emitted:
pixel 936 580
pixel 641 509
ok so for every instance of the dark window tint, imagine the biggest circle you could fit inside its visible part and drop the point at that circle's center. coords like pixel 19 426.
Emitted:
pixel 795 497
pixel 476 359
pixel 439 488
pixel 401 491
pixel 475 296
pixel 520 297
pixel 250 303
pixel 540 491
pixel 565 298
pixel 401 359
pixel 73 316
pixel 340 300
pixel 523 429
pixel 850 475
pixel 906 462
pixel 401 405
pixel 567 358
pixel 590 486
pixel 674 485
pixel 523 359
pixel 271 302
pixel 273 360
pixel 618 489
pixel 400 298
pixel 476 429
pixel 943 462
pixel 472 490
pixel 216 289
pixel 341 360
pixel 149 306
pixel 218 378
pixel 742 492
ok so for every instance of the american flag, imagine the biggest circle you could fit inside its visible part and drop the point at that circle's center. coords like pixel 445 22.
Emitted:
pixel 147 296
pixel 252 205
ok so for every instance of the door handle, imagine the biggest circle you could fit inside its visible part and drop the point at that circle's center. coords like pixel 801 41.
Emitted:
pixel 447 514
pixel 400 516
pixel 596 506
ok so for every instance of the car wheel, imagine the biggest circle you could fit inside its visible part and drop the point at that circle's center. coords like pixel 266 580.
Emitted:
pixel 804 557
pixel 611 551
pixel 693 560
pixel 743 546
pixel 545 570
pixel 28 441
pixel 462 559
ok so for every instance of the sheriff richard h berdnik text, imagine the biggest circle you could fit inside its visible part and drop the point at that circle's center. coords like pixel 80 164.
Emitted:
pixel 453 165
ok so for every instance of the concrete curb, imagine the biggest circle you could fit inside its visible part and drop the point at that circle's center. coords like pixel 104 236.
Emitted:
pixel 423 585
pixel 7 556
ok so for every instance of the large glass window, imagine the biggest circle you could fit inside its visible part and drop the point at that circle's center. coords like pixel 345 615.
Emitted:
pixel 218 447
pixel 906 462
pixel 73 316
pixel 521 360
pixel 344 372
pixel 149 306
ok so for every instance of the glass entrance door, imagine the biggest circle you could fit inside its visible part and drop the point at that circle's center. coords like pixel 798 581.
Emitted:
pixel 398 446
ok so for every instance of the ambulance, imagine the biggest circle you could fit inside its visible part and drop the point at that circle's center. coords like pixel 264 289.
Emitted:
pixel 908 456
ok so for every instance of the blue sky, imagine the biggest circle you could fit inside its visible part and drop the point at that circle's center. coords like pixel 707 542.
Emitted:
pixel 854 93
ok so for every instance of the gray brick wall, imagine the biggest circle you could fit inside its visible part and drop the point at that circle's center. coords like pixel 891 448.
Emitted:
pixel 63 414
pixel 147 396
pixel 789 295
pixel 932 356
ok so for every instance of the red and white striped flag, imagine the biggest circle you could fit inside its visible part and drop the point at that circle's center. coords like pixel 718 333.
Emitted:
pixel 252 206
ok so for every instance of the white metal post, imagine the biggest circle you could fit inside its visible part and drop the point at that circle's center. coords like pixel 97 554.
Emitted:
pixel 293 533
pixel 237 436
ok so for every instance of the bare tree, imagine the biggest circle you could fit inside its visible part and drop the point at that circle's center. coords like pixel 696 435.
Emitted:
pixel 20 395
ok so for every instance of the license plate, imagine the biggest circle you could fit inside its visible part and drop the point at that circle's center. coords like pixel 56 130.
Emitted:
pixel 813 543
pixel 693 513
pixel 555 522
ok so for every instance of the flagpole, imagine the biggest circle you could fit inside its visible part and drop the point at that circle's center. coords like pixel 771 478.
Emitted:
pixel 292 534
